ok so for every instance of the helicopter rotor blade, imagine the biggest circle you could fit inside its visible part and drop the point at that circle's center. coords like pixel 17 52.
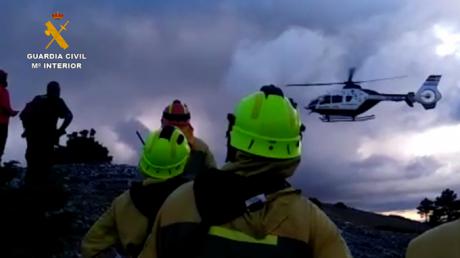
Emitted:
pixel 383 79
pixel 316 84
pixel 350 80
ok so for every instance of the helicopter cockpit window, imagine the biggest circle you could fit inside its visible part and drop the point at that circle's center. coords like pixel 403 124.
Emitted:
pixel 325 100
pixel 348 98
pixel 337 99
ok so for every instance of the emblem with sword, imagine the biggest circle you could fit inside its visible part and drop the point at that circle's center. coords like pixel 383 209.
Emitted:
pixel 56 34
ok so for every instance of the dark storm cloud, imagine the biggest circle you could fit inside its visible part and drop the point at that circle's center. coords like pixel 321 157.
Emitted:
pixel 142 55
pixel 422 166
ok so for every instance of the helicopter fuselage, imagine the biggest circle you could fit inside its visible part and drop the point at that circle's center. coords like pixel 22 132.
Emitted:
pixel 351 102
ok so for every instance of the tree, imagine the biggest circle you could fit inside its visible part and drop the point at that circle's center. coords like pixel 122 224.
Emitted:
pixel 425 208
pixel 445 206
pixel 82 147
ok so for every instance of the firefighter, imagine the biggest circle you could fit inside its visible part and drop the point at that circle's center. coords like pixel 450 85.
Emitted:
pixel 129 219
pixel 201 157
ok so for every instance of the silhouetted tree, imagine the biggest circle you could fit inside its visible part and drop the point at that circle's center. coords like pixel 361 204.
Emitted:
pixel 92 133
pixel 84 133
pixel 82 149
pixel 445 208
pixel 425 208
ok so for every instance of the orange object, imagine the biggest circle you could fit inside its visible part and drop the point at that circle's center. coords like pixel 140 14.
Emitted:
pixel 177 114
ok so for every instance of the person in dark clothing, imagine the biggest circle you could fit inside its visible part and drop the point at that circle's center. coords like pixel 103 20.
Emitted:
pixel 39 119
pixel 5 111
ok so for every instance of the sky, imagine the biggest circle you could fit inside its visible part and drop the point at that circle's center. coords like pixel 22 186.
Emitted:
pixel 141 55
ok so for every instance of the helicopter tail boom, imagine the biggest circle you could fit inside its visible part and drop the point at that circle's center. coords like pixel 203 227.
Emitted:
pixel 428 95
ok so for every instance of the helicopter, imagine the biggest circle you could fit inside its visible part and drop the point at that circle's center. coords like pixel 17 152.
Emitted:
pixel 352 100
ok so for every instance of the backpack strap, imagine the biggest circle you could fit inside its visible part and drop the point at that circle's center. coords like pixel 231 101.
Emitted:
pixel 148 200
pixel 222 197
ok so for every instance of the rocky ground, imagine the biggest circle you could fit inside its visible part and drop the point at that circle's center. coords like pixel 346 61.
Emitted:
pixel 365 242
pixel 93 187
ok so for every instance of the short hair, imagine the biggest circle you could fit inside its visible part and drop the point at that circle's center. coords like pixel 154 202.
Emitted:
pixel 53 88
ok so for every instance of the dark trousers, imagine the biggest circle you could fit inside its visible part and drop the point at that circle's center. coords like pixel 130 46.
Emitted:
pixel 39 155
pixel 3 137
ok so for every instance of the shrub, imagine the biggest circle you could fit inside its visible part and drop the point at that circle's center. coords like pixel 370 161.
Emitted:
pixel 81 147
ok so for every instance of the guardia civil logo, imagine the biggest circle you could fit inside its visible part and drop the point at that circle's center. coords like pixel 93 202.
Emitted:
pixel 56 55
pixel 54 33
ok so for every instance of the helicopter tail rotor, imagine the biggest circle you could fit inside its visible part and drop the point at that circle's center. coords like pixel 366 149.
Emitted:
pixel 428 95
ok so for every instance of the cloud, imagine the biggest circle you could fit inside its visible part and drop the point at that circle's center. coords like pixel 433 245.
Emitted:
pixel 126 131
pixel 287 58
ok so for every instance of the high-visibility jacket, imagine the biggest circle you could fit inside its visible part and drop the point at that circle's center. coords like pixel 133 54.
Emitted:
pixel 286 225
pixel 127 223
pixel 440 242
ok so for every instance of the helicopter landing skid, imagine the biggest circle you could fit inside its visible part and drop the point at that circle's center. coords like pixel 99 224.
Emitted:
pixel 346 118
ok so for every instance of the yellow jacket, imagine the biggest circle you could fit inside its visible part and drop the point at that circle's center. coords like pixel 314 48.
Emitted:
pixel 440 242
pixel 125 225
pixel 287 225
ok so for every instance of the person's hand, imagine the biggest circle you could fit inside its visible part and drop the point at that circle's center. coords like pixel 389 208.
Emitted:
pixel 187 130
pixel 14 113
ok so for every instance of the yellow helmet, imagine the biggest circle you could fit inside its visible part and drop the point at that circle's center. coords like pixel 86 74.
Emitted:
pixel 267 124
pixel 165 154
